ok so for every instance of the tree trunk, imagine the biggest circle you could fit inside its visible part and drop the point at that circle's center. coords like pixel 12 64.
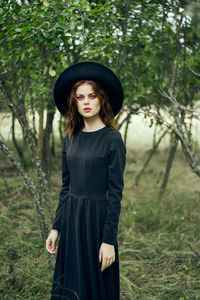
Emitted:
pixel 154 135
pixel 40 134
pixel 32 189
pixel 47 157
pixel 168 167
pixel 15 143
pixel 20 113
pixel 126 128
pixel 33 110
pixel 60 128
pixel 119 125
pixel 53 144
pixel 153 150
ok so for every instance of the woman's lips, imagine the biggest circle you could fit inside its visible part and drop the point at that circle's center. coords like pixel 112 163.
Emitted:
pixel 87 109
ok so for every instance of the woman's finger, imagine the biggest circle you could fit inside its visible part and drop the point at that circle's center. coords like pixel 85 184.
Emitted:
pixel 52 245
pixel 100 255
pixel 48 243
pixel 105 264
pixel 49 246
pixel 52 251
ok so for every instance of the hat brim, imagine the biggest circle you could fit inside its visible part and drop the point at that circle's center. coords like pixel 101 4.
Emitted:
pixel 88 71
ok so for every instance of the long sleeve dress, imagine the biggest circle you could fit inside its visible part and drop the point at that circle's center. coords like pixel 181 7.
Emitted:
pixel 88 214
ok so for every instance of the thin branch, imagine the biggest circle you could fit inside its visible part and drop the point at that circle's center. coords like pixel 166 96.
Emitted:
pixel 195 73
pixel 193 249
pixel 177 104
pixel 29 185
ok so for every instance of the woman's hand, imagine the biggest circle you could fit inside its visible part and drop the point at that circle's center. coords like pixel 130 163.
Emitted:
pixel 106 255
pixel 51 241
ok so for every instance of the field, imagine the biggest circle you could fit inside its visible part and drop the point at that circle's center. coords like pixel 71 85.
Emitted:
pixel 155 259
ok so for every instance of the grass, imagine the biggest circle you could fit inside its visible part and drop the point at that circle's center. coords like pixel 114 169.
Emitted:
pixel 155 261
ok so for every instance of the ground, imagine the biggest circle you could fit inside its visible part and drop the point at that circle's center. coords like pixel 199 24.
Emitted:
pixel 155 261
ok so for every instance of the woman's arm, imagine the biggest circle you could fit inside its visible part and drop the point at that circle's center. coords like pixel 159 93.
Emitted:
pixel 116 166
pixel 64 188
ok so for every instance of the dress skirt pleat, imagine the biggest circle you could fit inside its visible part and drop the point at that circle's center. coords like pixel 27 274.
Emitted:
pixel 82 217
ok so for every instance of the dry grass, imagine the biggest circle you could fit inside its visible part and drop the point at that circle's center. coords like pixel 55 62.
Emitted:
pixel 155 262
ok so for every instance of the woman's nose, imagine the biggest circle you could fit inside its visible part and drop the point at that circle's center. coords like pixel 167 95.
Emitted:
pixel 86 100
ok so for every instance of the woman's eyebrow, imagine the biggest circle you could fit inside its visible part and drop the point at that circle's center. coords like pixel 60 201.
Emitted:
pixel 88 94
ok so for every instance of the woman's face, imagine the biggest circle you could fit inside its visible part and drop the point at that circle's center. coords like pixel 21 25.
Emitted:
pixel 86 98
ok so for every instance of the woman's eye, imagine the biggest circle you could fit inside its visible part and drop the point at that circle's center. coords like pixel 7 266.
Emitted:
pixel 81 97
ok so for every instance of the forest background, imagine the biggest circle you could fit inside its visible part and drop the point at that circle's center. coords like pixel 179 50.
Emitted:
pixel 153 46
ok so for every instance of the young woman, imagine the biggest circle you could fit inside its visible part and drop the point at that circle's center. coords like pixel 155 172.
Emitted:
pixel 89 95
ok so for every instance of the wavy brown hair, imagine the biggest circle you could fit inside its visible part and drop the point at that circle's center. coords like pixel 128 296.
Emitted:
pixel 74 120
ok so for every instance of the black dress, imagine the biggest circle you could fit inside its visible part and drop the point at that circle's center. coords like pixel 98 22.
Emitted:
pixel 88 214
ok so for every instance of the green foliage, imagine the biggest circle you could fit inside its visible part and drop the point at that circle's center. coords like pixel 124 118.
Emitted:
pixel 140 40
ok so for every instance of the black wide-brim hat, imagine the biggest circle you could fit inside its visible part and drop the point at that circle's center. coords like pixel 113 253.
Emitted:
pixel 88 71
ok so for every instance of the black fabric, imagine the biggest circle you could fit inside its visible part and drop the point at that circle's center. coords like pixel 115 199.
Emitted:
pixel 88 214
pixel 88 71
